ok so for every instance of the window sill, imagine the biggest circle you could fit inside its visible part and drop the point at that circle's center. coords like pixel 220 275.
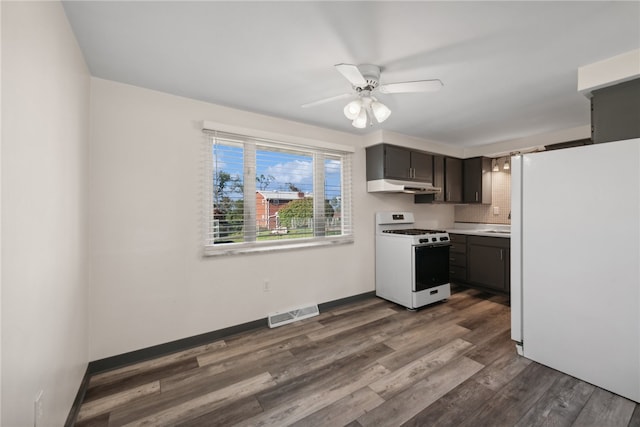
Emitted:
pixel 282 245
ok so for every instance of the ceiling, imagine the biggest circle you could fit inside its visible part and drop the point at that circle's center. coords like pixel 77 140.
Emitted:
pixel 509 68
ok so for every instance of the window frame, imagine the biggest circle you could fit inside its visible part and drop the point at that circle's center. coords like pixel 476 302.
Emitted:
pixel 318 150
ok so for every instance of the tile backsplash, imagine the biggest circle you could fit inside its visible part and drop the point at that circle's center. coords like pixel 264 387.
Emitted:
pixel 500 198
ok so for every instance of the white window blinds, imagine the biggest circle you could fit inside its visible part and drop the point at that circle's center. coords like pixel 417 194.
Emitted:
pixel 266 194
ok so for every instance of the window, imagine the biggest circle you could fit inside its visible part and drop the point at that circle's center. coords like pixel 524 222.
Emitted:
pixel 266 195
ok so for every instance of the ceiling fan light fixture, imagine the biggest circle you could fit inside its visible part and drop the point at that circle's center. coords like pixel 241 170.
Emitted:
pixel 360 122
pixel 380 111
pixel 365 82
pixel 353 109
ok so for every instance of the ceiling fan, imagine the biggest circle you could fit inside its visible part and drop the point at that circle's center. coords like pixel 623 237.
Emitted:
pixel 365 80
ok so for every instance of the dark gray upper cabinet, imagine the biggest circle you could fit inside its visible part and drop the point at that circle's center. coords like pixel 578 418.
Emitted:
pixel 397 162
pixel 615 112
pixel 477 180
pixel 438 181
pixel 393 162
pixel 447 174
pixel 422 164
pixel 453 180
pixel 568 144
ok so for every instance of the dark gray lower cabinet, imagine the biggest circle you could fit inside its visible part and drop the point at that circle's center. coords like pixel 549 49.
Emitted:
pixel 458 258
pixel 488 263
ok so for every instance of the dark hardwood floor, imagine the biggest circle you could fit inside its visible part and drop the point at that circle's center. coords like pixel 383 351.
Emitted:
pixel 370 363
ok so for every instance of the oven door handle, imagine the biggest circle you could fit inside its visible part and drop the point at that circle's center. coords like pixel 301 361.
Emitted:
pixel 434 245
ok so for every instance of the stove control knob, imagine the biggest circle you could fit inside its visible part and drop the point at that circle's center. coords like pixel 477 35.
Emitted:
pixel 433 239
pixel 444 239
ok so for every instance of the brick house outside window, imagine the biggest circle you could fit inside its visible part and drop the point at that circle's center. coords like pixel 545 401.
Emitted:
pixel 268 203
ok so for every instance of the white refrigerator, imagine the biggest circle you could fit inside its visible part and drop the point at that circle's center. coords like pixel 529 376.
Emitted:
pixel 575 262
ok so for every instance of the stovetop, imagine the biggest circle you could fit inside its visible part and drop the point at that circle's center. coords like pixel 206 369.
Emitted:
pixel 402 226
pixel 415 236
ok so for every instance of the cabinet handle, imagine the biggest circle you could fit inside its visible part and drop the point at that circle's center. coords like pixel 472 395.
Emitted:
pixel 476 196
pixel 448 196
pixel 501 254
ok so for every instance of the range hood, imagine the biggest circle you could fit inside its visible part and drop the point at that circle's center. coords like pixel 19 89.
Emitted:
pixel 396 186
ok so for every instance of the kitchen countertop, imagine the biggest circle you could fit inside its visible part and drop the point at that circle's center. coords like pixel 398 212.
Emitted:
pixel 488 230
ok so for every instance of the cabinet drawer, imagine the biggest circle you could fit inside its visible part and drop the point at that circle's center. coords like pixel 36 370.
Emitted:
pixel 457 273
pixel 458 243
pixel 458 259
pixel 458 238
pixel 497 242
pixel 458 248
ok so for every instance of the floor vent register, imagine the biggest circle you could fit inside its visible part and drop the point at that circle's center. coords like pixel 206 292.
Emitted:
pixel 279 319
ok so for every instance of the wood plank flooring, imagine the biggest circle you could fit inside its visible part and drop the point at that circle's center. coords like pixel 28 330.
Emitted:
pixel 369 363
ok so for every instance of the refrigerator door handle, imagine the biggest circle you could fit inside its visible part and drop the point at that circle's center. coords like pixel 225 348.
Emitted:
pixel 517 286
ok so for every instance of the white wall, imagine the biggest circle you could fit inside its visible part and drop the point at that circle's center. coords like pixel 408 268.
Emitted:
pixel 45 129
pixel 149 282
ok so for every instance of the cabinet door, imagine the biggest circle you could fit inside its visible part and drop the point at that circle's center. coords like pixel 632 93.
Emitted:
pixel 438 177
pixel 453 180
pixel 447 174
pixel 487 265
pixel 507 272
pixel 472 180
pixel 615 111
pixel 422 164
pixel 397 162
pixel 477 180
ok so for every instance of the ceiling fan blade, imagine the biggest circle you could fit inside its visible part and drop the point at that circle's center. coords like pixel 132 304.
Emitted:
pixel 325 100
pixel 417 86
pixel 352 73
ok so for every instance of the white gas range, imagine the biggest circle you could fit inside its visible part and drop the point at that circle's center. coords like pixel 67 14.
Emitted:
pixel 412 264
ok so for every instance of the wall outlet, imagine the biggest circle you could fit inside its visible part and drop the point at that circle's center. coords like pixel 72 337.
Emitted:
pixel 266 286
pixel 496 210
pixel 38 410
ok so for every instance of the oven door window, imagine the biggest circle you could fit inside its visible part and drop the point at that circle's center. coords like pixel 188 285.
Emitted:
pixel 431 266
